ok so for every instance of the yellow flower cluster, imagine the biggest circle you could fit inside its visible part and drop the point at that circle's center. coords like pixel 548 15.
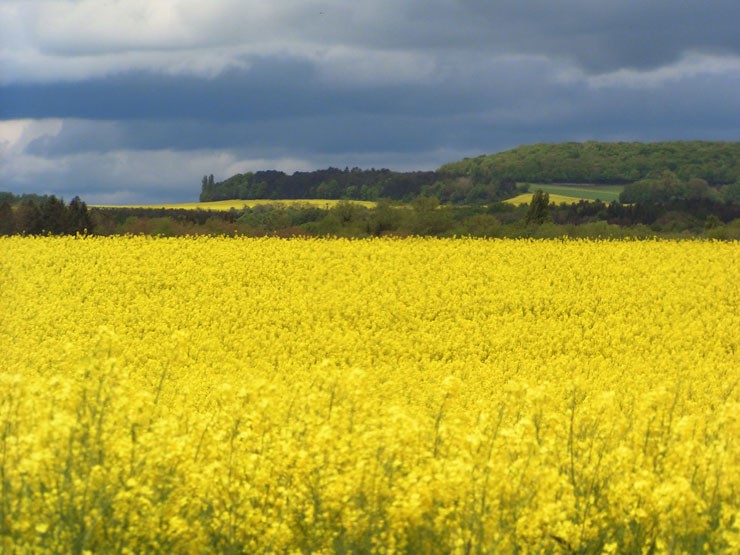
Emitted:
pixel 214 395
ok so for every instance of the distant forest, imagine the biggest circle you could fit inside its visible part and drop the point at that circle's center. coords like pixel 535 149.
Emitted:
pixel 708 218
pixel 697 217
pixel 492 178
pixel 681 189
pixel 718 163
pixel 331 183
pixel 32 214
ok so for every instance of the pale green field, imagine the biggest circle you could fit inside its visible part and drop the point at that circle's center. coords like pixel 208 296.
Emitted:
pixel 239 204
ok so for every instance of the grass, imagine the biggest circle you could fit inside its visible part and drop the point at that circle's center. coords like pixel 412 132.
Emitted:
pixel 226 205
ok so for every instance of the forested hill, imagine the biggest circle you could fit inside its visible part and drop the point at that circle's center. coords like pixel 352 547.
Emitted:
pixel 331 183
pixel 605 163
pixel 492 178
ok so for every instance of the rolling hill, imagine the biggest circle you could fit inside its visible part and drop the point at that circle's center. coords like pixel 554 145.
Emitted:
pixel 605 163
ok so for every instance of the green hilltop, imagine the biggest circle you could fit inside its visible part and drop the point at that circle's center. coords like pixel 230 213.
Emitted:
pixel 493 177
pixel 605 163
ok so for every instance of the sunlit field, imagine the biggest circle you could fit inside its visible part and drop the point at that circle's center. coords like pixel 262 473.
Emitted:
pixel 215 395
pixel 526 198
pixel 226 205
pixel 605 193
pixel 569 194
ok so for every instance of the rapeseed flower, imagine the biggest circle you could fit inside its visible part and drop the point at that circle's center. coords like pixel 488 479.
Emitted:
pixel 199 395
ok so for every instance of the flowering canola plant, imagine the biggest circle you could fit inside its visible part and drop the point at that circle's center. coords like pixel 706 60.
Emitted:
pixel 221 395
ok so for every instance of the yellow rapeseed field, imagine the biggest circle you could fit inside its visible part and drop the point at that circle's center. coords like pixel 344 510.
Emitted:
pixel 236 204
pixel 215 395
pixel 526 198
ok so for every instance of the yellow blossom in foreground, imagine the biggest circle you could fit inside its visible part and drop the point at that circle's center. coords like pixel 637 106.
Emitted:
pixel 213 395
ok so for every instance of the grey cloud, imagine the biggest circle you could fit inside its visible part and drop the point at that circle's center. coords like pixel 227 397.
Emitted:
pixel 517 98
pixel 596 36
pixel 405 85
pixel 270 89
pixel 605 36
pixel 265 111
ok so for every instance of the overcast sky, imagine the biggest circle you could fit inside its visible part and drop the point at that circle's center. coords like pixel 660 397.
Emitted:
pixel 135 100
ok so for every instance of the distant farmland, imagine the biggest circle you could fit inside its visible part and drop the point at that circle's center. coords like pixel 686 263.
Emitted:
pixel 526 198
pixel 606 193
pixel 225 205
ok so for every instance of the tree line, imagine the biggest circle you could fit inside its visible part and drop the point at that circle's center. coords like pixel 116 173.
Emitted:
pixel 355 184
pixel 329 183
pixel 690 188
pixel 594 162
pixel 425 215
pixel 492 178
pixel 667 187
pixel 694 216
pixel 43 214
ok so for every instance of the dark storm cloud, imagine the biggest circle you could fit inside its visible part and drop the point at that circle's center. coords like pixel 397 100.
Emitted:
pixel 406 118
pixel 266 90
pixel 62 41
pixel 93 101
pixel 284 107
pixel 270 89
pixel 605 36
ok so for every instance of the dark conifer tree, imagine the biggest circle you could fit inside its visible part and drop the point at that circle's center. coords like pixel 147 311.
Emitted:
pixel 538 208
pixel 7 220
pixel 53 216
pixel 78 218
pixel 28 218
